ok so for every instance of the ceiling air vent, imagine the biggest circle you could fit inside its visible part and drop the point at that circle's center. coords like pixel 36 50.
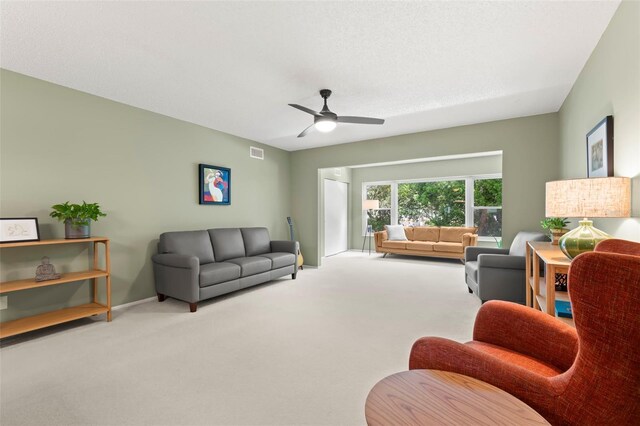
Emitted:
pixel 256 153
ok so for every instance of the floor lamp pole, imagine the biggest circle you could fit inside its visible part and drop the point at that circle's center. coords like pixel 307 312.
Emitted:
pixel 367 234
pixel 366 206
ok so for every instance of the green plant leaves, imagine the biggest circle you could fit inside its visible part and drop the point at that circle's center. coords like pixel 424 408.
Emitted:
pixel 78 214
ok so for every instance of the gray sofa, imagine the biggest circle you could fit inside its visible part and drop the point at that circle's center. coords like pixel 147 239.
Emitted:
pixel 198 265
pixel 499 274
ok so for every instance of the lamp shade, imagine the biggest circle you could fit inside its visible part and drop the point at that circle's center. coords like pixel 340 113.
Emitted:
pixel 599 197
pixel 370 204
pixel 596 197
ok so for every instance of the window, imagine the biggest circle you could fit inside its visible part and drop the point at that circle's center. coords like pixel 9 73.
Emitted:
pixel 382 216
pixel 487 207
pixel 439 203
pixel 463 201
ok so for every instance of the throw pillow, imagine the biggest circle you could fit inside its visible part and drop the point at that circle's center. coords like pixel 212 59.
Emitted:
pixel 395 232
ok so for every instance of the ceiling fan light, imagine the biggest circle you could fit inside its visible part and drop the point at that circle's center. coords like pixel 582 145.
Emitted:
pixel 325 126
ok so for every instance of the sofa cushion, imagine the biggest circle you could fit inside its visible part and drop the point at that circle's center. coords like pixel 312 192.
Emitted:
pixel 256 241
pixel 420 245
pixel 408 232
pixel 191 243
pixel 280 259
pixel 443 246
pixel 252 265
pixel 394 244
pixel 453 234
pixel 517 359
pixel 219 272
pixel 426 233
pixel 227 243
pixel 395 233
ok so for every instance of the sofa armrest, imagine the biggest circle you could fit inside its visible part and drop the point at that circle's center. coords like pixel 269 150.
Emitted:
pixel 521 329
pixel 177 260
pixel 471 253
pixel 441 354
pixel 177 276
pixel 285 246
pixel 502 261
pixel 380 236
pixel 469 239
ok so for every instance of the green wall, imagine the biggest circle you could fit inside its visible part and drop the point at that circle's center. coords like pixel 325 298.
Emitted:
pixel 423 170
pixel 59 144
pixel 609 84
pixel 530 158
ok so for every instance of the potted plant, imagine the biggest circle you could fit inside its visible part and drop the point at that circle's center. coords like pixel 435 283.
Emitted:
pixel 556 227
pixel 77 218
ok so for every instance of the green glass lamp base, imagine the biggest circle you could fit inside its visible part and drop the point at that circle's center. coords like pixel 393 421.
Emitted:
pixel 582 239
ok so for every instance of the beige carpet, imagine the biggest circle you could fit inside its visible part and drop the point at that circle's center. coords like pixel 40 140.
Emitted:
pixel 286 353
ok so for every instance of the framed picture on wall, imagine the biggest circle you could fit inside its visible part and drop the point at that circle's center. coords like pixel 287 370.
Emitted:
pixel 215 184
pixel 600 149
pixel 19 229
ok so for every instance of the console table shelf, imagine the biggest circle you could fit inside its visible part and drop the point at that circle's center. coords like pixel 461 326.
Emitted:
pixel 55 241
pixel 23 325
pixel 542 287
pixel 35 322
pixel 9 286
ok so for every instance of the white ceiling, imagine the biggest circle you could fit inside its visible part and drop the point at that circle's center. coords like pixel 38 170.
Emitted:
pixel 234 66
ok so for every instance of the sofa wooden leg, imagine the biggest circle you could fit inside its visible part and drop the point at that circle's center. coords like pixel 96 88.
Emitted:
pixel 193 307
pixel 293 276
pixel 161 297
pixel 384 255
pixel 469 288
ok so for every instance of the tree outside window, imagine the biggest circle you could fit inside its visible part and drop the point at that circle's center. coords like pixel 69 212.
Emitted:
pixel 440 203
pixel 487 211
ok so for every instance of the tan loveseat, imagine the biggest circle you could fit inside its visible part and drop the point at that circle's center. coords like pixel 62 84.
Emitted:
pixel 436 241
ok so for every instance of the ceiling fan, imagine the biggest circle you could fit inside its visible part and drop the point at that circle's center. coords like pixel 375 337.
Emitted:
pixel 325 120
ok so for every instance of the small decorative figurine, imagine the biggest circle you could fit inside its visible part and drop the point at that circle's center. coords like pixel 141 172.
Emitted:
pixel 46 271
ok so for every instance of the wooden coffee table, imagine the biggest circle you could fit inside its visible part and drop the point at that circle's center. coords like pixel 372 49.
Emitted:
pixel 433 397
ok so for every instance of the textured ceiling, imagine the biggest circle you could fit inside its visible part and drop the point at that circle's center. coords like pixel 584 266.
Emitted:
pixel 234 66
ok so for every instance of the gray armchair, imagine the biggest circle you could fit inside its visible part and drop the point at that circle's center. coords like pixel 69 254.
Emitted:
pixel 499 274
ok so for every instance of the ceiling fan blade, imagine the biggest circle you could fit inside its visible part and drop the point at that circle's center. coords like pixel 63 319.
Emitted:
pixel 360 120
pixel 307 110
pixel 307 130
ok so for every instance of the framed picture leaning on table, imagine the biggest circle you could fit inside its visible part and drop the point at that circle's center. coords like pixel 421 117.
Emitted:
pixel 19 229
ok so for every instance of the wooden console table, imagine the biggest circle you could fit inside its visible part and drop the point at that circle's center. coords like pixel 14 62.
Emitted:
pixel 22 325
pixel 543 297
pixel 433 397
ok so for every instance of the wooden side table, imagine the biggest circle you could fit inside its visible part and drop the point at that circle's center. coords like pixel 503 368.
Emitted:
pixel 544 297
pixel 433 397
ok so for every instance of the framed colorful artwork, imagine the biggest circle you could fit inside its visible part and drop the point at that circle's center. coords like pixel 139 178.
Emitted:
pixel 215 185
pixel 20 229
pixel 600 149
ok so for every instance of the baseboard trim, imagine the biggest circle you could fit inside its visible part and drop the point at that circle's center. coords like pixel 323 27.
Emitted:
pixel 135 302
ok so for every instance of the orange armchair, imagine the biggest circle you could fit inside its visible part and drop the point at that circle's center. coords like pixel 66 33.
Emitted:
pixel 589 375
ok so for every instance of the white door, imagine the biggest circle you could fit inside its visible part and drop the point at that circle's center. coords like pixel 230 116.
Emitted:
pixel 335 217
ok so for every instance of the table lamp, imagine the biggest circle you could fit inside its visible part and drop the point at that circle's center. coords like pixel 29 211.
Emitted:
pixel 369 205
pixel 596 197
